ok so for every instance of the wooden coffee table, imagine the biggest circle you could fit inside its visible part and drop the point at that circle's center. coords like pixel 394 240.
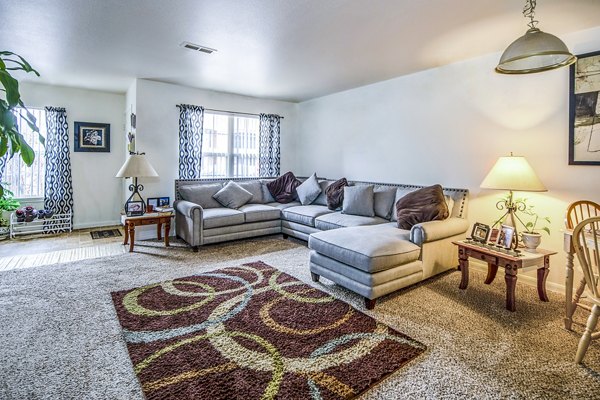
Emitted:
pixel 147 219
pixel 511 264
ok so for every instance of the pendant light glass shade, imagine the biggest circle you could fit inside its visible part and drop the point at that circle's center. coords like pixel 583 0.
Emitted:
pixel 535 51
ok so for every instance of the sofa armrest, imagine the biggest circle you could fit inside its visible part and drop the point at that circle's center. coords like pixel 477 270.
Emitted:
pixel 436 230
pixel 187 208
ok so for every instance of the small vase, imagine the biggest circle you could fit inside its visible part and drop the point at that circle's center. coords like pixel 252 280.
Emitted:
pixel 531 241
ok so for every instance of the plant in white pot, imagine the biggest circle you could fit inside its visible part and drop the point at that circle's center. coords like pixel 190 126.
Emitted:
pixel 7 204
pixel 532 237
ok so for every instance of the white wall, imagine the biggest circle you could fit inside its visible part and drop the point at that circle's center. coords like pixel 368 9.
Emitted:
pixel 157 132
pixel 449 125
pixel 96 192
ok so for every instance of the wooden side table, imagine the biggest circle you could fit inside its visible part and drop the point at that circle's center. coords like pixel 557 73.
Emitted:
pixel 511 264
pixel 147 219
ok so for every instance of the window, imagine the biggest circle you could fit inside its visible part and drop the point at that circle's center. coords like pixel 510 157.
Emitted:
pixel 22 180
pixel 230 145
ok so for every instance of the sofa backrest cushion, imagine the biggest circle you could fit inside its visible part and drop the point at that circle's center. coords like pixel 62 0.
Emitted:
pixel 254 187
pixel 422 205
pixel 201 194
pixel 335 194
pixel 358 200
pixel 383 201
pixel 321 199
pixel 267 196
pixel 308 190
pixel 283 189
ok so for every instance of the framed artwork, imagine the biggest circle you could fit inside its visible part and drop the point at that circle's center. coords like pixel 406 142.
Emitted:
pixel 584 110
pixel 135 208
pixel 153 201
pixel 480 232
pixel 164 201
pixel 505 236
pixel 92 137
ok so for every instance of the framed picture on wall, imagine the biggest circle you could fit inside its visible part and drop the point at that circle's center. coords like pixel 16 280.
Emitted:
pixel 92 137
pixel 584 110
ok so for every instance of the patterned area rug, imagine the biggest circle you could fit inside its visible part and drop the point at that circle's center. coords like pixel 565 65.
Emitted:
pixel 103 234
pixel 254 332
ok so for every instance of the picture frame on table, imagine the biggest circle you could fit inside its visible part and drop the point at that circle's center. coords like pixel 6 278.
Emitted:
pixel 135 208
pixel 92 137
pixel 505 237
pixel 164 201
pixel 153 201
pixel 480 232
pixel 584 110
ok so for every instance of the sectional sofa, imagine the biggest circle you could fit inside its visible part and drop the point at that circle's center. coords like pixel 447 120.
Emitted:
pixel 369 255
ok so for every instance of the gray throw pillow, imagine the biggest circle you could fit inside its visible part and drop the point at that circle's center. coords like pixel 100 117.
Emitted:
pixel 321 199
pixel 267 196
pixel 254 187
pixel 383 200
pixel 233 195
pixel 358 200
pixel 201 194
pixel 308 190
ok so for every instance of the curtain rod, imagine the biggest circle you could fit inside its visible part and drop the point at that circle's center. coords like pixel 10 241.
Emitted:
pixel 234 112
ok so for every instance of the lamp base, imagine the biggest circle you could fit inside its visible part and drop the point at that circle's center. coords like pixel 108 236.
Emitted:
pixel 135 205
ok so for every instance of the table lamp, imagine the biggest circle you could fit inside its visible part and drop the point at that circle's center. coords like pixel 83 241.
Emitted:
pixel 512 173
pixel 136 166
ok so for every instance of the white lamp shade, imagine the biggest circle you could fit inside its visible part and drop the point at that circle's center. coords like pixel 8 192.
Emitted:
pixel 137 165
pixel 513 173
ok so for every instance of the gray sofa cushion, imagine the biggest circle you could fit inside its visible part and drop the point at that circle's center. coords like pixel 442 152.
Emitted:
pixel 308 190
pixel 383 200
pixel 321 199
pixel 368 248
pixel 254 187
pixel 201 194
pixel 232 195
pixel 283 206
pixel 267 196
pixel 338 220
pixel 358 200
pixel 260 212
pixel 217 217
pixel 304 214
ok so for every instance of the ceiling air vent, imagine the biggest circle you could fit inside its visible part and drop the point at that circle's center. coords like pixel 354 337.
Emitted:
pixel 197 47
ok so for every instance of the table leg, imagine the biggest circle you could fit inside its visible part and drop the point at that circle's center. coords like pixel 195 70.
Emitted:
pixel 569 308
pixel 463 261
pixel 492 270
pixel 542 274
pixel 167 230
pixel 125 234
pixel 131 236
pixel 511 283
pixel 158 230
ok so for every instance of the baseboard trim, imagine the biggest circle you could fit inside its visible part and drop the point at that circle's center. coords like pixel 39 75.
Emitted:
pixel 101 224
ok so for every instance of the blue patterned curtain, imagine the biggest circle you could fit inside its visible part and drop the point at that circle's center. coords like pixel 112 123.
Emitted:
pixel 191 121
pixel 3 160
pixel 58 191
pixel 269 153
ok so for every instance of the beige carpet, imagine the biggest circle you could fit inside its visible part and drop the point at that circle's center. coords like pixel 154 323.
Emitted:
pixel 61 339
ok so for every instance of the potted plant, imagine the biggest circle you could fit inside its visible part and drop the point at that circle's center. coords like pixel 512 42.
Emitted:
pixel 7 204
pixel 532 238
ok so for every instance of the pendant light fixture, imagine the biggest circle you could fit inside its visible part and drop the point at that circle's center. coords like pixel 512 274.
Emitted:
pixel 536 51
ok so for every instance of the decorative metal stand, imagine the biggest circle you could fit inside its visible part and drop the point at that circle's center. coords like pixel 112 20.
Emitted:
pixel 136 189
pixel 511 206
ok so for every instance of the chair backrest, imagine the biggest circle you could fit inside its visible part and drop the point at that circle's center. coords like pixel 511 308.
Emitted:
pixel 579 211
pixel 586 237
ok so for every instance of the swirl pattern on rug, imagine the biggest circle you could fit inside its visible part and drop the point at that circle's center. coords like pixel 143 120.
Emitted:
pixel 253 332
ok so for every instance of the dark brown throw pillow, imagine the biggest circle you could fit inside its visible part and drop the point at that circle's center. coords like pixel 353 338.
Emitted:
pixel 335 194
pixel 423 205
pixel 283 189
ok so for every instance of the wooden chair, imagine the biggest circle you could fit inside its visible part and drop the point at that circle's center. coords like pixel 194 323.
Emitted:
pixel 577 212
pixel 586 240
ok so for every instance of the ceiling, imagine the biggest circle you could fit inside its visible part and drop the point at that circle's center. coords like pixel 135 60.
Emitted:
pixel 290 50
